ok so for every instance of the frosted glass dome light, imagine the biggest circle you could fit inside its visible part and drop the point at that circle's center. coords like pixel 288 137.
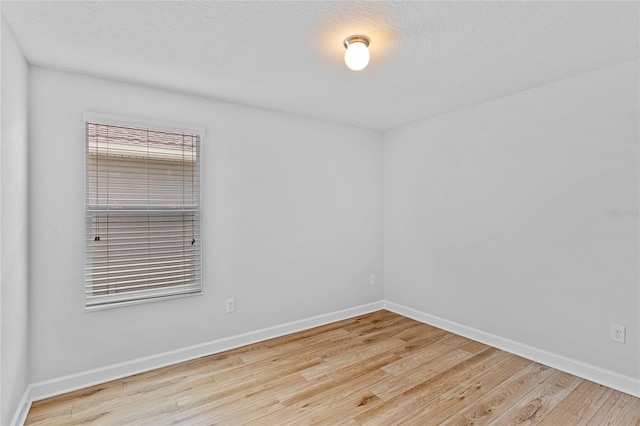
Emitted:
pixel 357 54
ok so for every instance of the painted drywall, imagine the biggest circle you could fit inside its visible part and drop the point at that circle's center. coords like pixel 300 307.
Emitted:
pixel 14 216
pixel 291 219
pixel 519 217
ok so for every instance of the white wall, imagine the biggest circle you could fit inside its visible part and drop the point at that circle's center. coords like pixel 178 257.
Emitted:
pixel 292 223
pixel 13 225
pixel 495 217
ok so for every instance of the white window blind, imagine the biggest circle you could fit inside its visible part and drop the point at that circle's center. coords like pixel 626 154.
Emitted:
pixel 142 215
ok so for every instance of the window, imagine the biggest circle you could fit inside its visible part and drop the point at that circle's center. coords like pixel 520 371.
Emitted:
pixel 142 214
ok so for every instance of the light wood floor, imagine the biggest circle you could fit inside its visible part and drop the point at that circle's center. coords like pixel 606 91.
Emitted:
pixel 378 369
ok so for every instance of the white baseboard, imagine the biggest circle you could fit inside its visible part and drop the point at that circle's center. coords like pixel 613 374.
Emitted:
pixel 590 372
pixel 60 385
pixel 23 408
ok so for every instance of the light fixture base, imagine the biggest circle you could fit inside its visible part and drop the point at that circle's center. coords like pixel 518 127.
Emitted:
pixel 356 39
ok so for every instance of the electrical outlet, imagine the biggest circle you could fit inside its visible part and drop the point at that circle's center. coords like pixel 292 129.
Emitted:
pixel 617 333
pixel 372 279
pixel 231 305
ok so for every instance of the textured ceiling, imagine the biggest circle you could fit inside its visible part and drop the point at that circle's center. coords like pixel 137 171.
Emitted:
pixel 427 58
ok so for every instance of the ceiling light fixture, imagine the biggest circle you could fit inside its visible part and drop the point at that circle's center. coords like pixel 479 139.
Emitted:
pixel 357 55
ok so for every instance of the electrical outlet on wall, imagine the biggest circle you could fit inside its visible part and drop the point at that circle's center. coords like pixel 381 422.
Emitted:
pixel 231 305
pixel 372 279
pixel 617 333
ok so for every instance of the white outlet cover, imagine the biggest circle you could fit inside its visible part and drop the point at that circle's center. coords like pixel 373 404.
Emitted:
pixel 617 333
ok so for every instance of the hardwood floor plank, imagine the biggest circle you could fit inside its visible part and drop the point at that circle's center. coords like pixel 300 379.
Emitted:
pixel 49 413
pixel 289 344
pixel 194 384
pixel 346 359
pixel 424 392
pixel 396 385
pixel 586 399
pixel 558 416
pixel 535 405
pixel 344 375
pixel 418 343
pixel 264 367
pixel 285 375
pixel 467 390
pixel 619 409
pixel 338 413
pixel 474 347
pixel 378 369
pixel 240 412
pixel 111 413
pixel 353 392
pixel 486 409
pixel 410 361
pixel 104 391
pixel 420 331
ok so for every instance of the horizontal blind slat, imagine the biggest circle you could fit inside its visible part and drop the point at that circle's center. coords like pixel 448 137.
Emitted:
pixel 142 288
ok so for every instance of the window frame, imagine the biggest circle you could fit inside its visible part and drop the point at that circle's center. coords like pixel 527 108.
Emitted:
pixel 140 123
